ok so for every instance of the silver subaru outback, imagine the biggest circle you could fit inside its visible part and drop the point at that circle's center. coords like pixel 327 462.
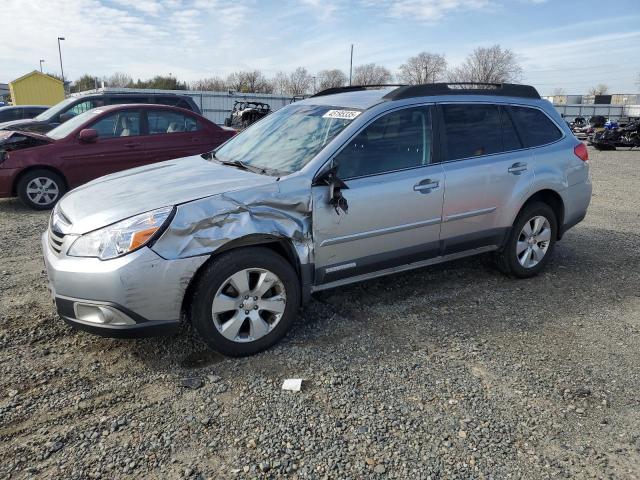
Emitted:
pixel 348 185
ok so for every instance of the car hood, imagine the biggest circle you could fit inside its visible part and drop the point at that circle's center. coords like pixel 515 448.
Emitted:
pixel 10 140
pixel 19 124
pixel 121 195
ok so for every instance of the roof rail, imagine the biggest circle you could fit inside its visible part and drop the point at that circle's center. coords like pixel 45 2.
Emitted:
pixel 463 88
pixel 354 88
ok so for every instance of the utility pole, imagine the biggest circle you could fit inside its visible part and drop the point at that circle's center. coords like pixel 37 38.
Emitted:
pixel 351 65
pixel 60 53
pixel 41 62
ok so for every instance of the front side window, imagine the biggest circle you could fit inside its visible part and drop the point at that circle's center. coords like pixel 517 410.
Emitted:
pixel 472 130
pixel 82 107
pixel 396 141
pixel 164 121
pixel 535 127
pixel 118 124
pixel 287 139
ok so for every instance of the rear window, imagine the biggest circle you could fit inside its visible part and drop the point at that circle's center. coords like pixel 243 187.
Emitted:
pixel 535 127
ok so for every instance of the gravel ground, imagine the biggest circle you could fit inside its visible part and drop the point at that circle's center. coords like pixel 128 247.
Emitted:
pixel 447 372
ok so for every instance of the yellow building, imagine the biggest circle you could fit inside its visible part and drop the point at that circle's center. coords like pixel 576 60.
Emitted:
pixel 36 88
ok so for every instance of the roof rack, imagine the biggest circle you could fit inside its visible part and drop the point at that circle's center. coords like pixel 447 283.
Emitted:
pixel 354 88
pixel 463 88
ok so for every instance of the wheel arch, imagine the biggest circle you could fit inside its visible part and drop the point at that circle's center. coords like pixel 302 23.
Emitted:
pixel 280 245
pixel 31 168
pixel 554 200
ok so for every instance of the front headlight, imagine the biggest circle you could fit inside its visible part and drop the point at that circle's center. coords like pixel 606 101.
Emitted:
pixel 122 237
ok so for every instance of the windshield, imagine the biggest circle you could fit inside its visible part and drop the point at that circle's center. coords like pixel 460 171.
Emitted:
pixel 70 125
pixel 55 110
pixel 288 139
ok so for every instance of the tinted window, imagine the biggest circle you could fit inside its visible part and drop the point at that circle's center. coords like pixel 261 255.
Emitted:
pixel 472 130
pixel 119 124
pixel 10 114
pixel 164 121
pixel 126 99
pixel 535 127
pixel 398 140
pixel 510 139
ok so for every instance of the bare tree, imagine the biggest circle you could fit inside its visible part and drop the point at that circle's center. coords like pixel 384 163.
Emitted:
pixel 488 65
pixel 280 83
pixel 119 80
pixel 600 89
pixel 212 84
pixel 423 68
pixel 332 79
pixel 371 74
pixel 299 82
pixel 559 91
pixel 248 81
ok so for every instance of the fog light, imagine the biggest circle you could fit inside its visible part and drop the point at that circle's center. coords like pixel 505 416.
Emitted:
pixel 101 314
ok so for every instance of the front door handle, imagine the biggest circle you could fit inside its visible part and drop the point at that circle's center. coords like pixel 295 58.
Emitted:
pixel 425 186
pixel 517 168
pixel 132 144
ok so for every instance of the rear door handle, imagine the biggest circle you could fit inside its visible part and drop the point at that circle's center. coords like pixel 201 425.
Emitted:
pixel 517 168
pixel 132 145
pixel 425 186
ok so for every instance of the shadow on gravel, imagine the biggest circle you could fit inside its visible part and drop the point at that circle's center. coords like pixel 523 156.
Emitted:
pixel 592 269
pixel 13 205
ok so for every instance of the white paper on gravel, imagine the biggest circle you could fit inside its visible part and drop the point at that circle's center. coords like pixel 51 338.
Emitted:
pixel 292 384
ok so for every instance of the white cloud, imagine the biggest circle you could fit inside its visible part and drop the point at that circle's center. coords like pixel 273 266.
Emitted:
pixel 121 35
pixel 427 10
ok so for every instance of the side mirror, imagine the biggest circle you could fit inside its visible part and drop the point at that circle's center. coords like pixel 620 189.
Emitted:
pixel 336 200
pixel 88 135
pixel 65 116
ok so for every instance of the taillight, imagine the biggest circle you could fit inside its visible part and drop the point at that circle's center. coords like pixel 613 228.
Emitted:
pixel 581 152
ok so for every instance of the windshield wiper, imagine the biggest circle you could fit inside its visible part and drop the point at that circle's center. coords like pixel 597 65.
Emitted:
pixel 244 166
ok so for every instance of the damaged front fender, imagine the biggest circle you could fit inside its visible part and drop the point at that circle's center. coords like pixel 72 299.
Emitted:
pixel 280 210
pixel 10 141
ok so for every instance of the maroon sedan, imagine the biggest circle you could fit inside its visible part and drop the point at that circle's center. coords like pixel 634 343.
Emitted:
pixel 39 169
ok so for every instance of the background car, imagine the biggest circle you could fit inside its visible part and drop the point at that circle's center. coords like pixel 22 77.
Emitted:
pixel 20 112
pixel 72 106
pixel 39 169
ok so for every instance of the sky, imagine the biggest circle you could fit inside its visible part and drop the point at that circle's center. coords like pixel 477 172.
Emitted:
pixel 567 44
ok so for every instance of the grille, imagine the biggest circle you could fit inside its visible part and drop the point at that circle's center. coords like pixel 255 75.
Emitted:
pixel 55 240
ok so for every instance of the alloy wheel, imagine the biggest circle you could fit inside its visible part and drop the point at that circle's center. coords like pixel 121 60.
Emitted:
pixel 43 191
pixel 533 241
pixel 248 305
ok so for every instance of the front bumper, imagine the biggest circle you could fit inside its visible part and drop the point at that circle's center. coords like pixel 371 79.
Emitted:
pixel 7 177
pixel 139 294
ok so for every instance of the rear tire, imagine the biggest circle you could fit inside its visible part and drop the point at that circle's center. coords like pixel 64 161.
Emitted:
pixel 530 243
pixel 245 301
pixel 40 189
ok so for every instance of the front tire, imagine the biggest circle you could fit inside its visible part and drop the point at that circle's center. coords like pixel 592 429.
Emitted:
pixel 40 189
pixel 531 241
pixel 245 301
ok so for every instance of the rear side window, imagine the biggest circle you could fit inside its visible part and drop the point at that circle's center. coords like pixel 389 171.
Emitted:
pixel 510 138
pixel 173 102
pixel 396 141
pixel 126 99
pixel 165 121
pixel 472 130
pixel 535 127
pixel 11 114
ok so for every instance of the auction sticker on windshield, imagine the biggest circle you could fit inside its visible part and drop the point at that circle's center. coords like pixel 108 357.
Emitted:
pixel 343 114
